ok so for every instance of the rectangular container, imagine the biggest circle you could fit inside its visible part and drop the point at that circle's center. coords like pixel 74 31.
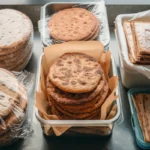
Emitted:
pixel 130 78
pixel 98 8
pixel 134 119
pixel 105 127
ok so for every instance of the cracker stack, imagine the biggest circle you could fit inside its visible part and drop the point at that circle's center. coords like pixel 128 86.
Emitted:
pixel 142 105
pixel 15 39
pixel 13 103
pixel 138 40
pixel 73 24
pixel 76 87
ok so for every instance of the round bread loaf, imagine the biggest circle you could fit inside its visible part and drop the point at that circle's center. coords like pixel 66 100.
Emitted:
pixel 75 73
pixel 72 24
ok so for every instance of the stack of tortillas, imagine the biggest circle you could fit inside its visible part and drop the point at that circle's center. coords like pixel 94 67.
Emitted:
pixel 74 24
pixel 16 31
pixel 76 87
pixel 13 104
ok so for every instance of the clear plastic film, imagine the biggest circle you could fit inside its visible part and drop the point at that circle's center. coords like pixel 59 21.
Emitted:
pixel 15 123
pixel 16 41
pixel 98 9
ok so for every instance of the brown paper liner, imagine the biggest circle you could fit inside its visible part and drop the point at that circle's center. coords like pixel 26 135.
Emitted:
pixel 51 53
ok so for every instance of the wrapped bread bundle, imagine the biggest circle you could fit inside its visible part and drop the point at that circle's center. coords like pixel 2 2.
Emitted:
pixel 13 105
pixel 138 39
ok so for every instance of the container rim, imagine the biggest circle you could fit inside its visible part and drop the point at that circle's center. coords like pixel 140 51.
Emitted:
pixel 82 122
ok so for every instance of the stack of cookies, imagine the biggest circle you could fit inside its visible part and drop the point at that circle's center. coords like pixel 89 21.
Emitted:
pixel 76 87
pixel 73 24
pixel 16 31
pixel 138 40
pixel 13 104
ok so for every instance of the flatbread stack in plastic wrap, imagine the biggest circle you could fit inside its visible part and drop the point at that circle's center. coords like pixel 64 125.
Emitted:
pixel 13 104
pixel 73 24
pixel 138 39
pixel 16 32
pixel 76 87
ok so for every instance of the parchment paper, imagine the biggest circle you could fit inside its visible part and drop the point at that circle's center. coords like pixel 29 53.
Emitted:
pixel 51 53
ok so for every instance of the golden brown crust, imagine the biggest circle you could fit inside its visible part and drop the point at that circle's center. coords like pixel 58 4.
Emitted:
pixel 75 73
pixel 72 24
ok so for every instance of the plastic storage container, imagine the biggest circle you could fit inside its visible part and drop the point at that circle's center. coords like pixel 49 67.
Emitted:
pixel 104 127
pixel 130 78
pixel 134 119
pixel 98 9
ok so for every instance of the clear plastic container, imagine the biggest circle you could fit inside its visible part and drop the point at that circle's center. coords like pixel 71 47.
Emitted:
pixel 130 77
pixel 134 119
pixel 98 127
pixel 97 8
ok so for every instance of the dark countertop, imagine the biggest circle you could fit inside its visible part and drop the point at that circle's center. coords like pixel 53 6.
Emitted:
pixel 122 137
pixel 37 2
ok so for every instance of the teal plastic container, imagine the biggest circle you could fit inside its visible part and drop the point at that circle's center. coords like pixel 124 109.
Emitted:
pixel 134 119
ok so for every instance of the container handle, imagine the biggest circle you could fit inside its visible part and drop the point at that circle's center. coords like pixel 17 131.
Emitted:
pixel 132 123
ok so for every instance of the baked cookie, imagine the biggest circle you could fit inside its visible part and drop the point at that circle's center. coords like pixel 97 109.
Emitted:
pixel 99 100
pixel 72 24
pixel 72 98
pixel 75 73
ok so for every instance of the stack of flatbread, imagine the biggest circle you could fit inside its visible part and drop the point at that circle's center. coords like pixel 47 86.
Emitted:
pixel 16 31
pixel 13 104
pixel 76 87
pixel 138 39
pixel 142 105
pixel 74 24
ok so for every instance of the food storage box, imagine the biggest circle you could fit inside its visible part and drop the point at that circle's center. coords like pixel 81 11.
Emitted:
pixel 97 8
pixel 130 77
pixel 134 119
pixel 83 127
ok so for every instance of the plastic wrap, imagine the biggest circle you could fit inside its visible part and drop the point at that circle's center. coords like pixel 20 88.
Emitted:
pixel 98 9
pixel 16 41
pixel 143 69
pixel 50 123
pixel 15 123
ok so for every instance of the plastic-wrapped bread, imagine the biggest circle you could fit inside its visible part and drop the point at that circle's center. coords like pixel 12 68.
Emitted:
pixel 13 105
pixel 16 33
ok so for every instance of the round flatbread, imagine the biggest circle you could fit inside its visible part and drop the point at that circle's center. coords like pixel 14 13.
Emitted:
pixel 72 24
pixel 75 73
pixel 16 29
pixel 100 100
pixel 71 98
